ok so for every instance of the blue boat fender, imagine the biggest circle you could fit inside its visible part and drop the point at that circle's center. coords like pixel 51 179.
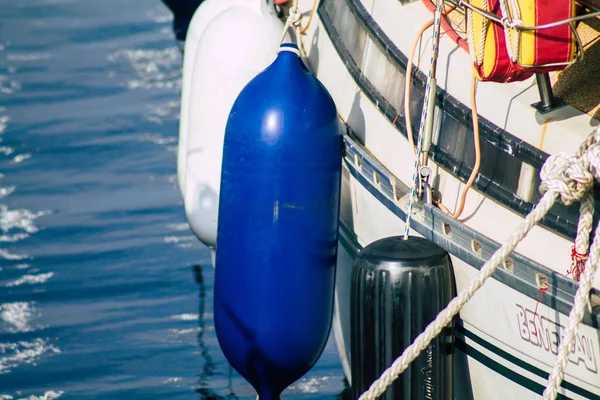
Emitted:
pixel 278 225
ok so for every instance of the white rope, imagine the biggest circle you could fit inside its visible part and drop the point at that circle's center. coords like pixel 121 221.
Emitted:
pixel 515 24
pixel 471 37
pixel 485 23
pixel 584 226
pixel 582 296
pixel 477 56
pixel 294 19
pixel 586 211
pixel 511 18
pixel 565 177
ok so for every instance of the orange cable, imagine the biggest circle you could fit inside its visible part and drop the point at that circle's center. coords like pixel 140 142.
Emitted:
pixel 310 17
pixel 408 87
pixel 475 119
pixel 477 145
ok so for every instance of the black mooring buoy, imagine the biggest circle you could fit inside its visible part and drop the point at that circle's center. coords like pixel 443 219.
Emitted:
pixel 398 287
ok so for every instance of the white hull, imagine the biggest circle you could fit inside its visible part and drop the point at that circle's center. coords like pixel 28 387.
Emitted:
pixel 356 48
pixel 498 340
pixel 228 44
pixel 499 355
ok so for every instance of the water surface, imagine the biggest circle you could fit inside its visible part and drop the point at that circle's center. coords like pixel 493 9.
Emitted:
pixel 104 291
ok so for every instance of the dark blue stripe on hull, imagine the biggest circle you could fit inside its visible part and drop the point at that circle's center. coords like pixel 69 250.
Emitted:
pixel 350 243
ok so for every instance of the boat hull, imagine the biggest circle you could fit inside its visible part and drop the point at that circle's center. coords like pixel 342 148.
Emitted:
pixel 505 349
pixel 500 343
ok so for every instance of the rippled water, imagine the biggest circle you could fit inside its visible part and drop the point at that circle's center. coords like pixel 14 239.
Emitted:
pixel 104 291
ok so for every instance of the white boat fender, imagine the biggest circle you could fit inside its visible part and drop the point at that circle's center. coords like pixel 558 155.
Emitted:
pixel 204 14
pixel 237 44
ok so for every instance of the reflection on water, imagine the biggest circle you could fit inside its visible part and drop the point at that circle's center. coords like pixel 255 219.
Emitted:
pixel 208 370
pixel 217 380
pixel 96 295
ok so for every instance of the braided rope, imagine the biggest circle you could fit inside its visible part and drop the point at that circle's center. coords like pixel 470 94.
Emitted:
pixel 582 299
pixel 471 37
pixel 485 23
pixel 506 20
pixel 584 226
pixel 590 140
pixel 582 296
pixel 477 56
pixel 586 208
pixel 565 177
pixel 515 22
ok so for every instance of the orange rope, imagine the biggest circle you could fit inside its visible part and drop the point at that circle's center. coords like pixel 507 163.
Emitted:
pixel 475 118
pixel 477 144
pixel 408 87
pixel 310 17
